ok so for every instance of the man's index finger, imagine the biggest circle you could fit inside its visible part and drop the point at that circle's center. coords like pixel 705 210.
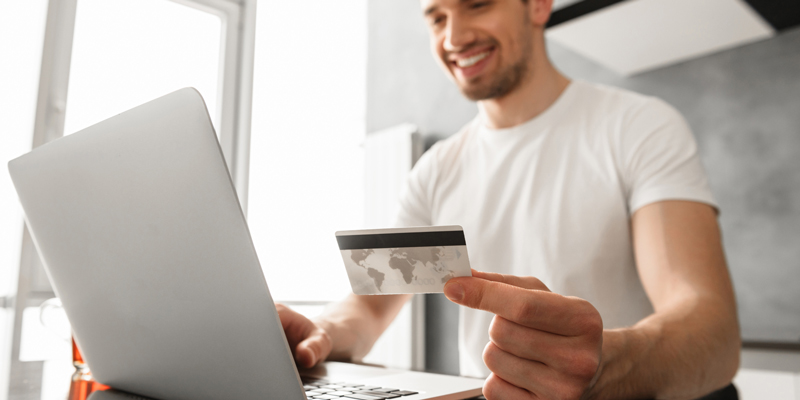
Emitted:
pixel 537 309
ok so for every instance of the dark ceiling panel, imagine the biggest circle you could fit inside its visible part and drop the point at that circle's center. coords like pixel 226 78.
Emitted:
pixel 781 14
pixel 578 10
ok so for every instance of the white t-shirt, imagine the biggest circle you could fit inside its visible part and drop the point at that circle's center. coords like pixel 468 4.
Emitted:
pixel 552 198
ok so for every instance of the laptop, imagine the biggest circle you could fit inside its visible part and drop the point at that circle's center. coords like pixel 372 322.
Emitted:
pixel 138 225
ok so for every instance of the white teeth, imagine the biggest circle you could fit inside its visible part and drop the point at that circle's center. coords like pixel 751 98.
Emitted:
pixel 468 62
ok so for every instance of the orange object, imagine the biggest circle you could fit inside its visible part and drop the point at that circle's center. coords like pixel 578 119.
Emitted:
pixel 82 384
pixel 77 358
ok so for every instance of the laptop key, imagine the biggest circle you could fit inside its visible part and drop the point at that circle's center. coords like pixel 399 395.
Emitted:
pixel 362 397
pixel 322 389
pixel 382 395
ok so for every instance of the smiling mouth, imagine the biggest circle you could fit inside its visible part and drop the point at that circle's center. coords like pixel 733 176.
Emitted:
pixel 470 61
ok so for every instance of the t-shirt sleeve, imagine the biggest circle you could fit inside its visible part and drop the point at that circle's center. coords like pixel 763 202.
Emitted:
pixel 660 158
pixel 414 201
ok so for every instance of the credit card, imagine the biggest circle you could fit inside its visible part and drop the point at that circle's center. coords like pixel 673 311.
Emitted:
pixel 403 260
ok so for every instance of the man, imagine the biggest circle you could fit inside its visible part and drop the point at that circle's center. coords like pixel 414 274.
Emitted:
pixel 596 192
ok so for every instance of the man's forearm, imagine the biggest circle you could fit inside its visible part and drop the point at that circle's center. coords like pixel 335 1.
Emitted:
pixel 355 323
pixel 682 352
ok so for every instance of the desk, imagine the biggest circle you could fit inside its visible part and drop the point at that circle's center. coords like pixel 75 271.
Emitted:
pixel 727 393
pixel 111 394
pixel 84 388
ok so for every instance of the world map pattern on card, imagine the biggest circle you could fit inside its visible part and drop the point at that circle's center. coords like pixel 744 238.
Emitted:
pixel 404 269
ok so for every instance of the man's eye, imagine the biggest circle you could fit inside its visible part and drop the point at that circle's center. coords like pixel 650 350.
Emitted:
pixel 437 20
pixel 478 4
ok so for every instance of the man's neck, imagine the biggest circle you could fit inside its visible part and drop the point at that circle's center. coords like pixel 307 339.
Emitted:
pixel 533 96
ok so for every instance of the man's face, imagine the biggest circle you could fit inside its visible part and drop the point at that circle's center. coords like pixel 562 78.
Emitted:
pixel 485 46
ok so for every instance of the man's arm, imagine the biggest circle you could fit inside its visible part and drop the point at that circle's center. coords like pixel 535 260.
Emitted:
pixel 544 345
pixel 690 345
pixel 345 332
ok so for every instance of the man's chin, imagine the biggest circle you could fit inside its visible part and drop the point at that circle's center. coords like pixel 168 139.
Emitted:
pixel 473 96
pixel 485 89
pixel 474 89
pixel 492 86
pixel 478 92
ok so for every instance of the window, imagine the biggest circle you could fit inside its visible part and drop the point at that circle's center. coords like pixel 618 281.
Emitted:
pixel 21 36
pixel 127 52
pixel 112 55
pixel 306 159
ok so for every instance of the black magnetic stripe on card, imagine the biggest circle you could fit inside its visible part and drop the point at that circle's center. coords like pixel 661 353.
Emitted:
pixel 389 240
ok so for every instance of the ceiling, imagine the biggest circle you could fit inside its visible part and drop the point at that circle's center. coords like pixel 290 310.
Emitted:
pixel 634 36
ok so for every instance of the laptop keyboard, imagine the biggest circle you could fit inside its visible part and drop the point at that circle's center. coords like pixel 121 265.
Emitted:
pixel 323 389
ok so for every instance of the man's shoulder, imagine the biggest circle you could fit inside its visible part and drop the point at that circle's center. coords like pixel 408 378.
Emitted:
pixel 615 102
pixel 598 95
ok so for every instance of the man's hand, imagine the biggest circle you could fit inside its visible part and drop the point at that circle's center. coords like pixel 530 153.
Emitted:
pixel 543 345
pixel 310 344
pixel 346 331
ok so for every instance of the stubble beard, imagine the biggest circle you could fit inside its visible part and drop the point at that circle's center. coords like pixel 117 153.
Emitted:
pixel 498 85
pixel 506 79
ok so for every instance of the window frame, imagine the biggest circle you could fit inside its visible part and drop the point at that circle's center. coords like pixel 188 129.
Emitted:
pixel 234 97
pixel 235 94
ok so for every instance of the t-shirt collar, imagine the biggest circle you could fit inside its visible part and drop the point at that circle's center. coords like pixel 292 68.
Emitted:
pixel 545 118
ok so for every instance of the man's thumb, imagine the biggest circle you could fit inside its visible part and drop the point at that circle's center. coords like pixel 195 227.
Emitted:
pixel 307 352
pixel 454 291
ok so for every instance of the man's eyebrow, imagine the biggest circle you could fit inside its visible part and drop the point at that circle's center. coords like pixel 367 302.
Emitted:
pixel 430 10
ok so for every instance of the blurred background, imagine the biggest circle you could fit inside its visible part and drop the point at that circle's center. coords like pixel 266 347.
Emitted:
pixel 322 107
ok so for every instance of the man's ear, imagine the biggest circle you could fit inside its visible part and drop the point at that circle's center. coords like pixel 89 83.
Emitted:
pixel 539 11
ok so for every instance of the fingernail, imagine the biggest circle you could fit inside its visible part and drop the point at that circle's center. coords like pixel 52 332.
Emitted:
pixel 454 291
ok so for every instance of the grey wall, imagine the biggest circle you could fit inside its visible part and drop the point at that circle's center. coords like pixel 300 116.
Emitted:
pixel 743 105
pixel 404 83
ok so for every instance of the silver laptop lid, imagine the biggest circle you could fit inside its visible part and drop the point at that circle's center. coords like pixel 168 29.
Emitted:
pixel 141 195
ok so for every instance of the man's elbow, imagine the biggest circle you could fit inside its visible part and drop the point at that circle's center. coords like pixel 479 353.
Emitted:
pixel 731 355
pixel 728 351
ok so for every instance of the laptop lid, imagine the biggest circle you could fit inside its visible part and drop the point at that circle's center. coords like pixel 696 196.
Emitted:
pixel 147 194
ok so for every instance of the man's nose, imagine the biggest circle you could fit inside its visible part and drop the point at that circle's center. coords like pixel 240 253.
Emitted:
pixel 458 35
